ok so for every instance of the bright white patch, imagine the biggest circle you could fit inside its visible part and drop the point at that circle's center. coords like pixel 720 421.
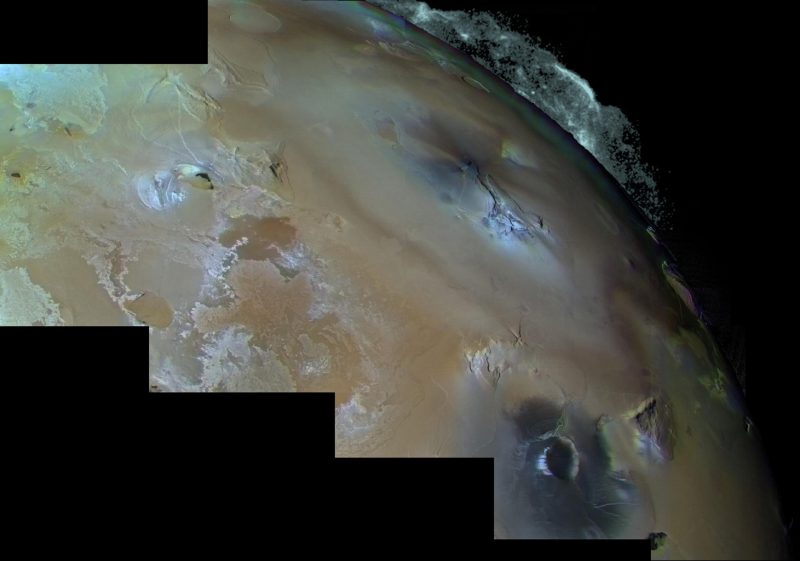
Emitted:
pixel 232 363
pixel 353 419
pixel 69 93
pixel 24 303
pixel 541 463
pixel 159 192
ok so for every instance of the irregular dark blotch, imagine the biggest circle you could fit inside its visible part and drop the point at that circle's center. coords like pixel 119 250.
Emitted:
pixel 655 421
pixel 206 177
pixel 536 417
pixel 15 174
pixel 562 459
pixel 657 539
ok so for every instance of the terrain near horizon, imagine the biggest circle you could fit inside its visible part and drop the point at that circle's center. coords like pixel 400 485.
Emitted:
pixel 176 199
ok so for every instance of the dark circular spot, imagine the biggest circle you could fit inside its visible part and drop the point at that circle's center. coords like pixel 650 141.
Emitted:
pixel 559 476
pixel 562 459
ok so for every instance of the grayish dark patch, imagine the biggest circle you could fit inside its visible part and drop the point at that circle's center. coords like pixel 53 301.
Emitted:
pixel 560 480
pixel 654 421
pixel 657 540
pixel 562 459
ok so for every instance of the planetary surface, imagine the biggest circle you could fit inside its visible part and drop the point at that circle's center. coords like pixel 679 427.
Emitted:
pixel 339 202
